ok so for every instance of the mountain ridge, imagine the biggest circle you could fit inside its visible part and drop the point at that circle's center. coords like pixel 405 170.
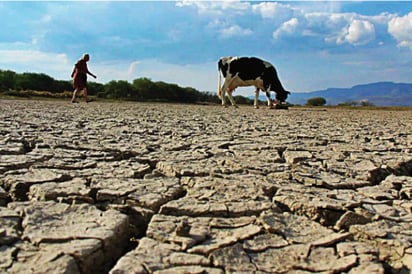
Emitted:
pixel 379 93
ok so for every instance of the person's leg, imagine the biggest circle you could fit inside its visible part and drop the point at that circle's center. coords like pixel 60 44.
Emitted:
pixel 75 95
pixel 85 94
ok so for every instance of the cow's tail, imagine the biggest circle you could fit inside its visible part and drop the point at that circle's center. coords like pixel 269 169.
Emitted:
pixel 219 88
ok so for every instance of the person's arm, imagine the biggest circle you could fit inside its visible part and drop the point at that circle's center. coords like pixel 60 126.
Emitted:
pixel 88 72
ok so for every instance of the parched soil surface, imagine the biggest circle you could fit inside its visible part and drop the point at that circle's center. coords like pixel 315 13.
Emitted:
pixel 168 188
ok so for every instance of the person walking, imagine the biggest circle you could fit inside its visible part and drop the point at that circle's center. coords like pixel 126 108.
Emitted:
pixel 79 76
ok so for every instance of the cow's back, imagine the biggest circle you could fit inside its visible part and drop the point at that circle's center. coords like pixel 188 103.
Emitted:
pixel 248 68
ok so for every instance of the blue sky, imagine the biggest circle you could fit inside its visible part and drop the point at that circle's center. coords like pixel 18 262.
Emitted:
pixel 314 45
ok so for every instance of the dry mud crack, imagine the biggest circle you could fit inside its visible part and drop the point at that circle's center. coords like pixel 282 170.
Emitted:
pixel 162 188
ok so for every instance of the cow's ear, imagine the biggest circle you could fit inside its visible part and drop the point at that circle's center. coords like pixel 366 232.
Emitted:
pixel 288 92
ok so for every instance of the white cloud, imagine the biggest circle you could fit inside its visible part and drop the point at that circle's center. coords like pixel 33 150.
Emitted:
pixel 359 32
pixel 401 29
pixel 47 18
pixel 132 68
pixel 336 28
pixel 234 30
pixel 287 28
pixel 24 56
pixel 216 7
pixel 223 16
pixel 33 60
pixel 322 22
pixel 328 23
pixel 273 10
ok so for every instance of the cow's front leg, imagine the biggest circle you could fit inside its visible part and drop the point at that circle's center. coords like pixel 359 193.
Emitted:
pixel 222 97
pixel 232 101
pixel 224 101
pixel 270 105
pixel 256 103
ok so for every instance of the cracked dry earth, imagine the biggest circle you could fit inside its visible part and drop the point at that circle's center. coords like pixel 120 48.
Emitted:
pixel 162 188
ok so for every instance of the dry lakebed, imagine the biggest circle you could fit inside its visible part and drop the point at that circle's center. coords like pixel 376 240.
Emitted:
pixel 121 187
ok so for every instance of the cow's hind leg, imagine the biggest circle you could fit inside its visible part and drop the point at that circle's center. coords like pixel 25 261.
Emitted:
pixel 222 96
pixel 222 92
pixel 232 101
pixel 256 103
pixel 270 104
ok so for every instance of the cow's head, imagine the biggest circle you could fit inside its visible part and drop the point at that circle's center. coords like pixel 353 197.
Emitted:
pixel 282 95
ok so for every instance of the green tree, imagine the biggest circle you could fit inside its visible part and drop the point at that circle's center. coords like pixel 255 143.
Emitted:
pixel 191 95
pixel 167 92
pixel 7 80
pixel 208 97
pixel 243 100
pixel 118 89
pixel 35 81
pixel 94 88
pixel 144 88
pixel 316 101
pixel 63 85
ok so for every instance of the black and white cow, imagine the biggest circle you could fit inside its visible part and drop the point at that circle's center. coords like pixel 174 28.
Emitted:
pixel 249 71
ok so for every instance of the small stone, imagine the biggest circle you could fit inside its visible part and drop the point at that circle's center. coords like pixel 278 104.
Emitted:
pixel 351 218
pixel 183 228
pixel 293 157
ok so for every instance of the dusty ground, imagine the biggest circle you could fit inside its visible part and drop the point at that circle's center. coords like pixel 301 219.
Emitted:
pixel 161 188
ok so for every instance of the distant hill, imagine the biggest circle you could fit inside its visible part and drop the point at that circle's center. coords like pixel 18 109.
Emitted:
pixel 379 94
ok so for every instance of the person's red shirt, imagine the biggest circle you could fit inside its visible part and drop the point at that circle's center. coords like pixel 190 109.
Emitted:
pixel 81 66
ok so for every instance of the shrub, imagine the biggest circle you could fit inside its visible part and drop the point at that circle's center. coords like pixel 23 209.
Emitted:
pixel 316 101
